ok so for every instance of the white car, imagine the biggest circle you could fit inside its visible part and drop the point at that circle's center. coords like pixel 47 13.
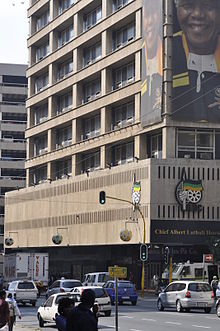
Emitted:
pixel 101 298
pixel 48 311
pixel 26 291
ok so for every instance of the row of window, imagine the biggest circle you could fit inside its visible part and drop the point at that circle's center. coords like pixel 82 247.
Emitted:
pixel 89 19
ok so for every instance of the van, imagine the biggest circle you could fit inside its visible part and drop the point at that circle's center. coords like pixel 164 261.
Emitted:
pixel 95 278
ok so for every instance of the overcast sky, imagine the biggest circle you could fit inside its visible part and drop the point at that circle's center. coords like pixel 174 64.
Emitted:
pixel 13 31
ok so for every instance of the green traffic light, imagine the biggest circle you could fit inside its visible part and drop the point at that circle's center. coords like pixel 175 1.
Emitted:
pixel 102 197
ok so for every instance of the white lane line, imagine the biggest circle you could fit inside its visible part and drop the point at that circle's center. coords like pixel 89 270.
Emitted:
pixel 126 316
pixel 173 323
pixel 135 330
pixel 211 318
pixel 148 319
pixel 202 326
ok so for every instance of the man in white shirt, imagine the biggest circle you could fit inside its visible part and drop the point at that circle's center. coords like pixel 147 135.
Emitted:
pixel 14 310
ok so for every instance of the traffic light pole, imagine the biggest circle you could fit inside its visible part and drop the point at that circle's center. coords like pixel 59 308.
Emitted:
pixel 144 235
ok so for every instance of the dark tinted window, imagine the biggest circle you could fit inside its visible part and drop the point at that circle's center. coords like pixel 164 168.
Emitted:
pixel 49 302
pixel 199 287
pixel 181 287
pixel 125 285
pixel 99 292
pixel 76 298
pixel 55 284
pixel 26 286
pixel 14 80
pixel 71 284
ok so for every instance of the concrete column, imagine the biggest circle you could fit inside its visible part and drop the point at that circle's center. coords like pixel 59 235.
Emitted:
pixel 138 65
pixel 75 96
pixel 30 90
pixel 49 140
pixel 138 20
pixel 104 8
pixel 50 107
pixel 104 43
pixel 102 157
pixel 28 148
pixel 27 177
pixel 77 25
pixel 49 170
pixel 52 10
pixel 137 146
pixel 74 129
pixel 75 60
pixel 51 42
pixel 137 105
pixel 103 124
pixel 29 122
pixel 74 165
pixel 140 147
pixel 168 142
pixel 104 81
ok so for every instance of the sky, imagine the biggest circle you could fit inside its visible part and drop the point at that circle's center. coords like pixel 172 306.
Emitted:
pixel 13 31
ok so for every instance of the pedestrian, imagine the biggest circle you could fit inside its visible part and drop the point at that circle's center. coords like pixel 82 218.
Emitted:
pixel 14 311
pixel 4 312
pixel 156 283
pixel 82 318
pixel 214 285
pixel 64 308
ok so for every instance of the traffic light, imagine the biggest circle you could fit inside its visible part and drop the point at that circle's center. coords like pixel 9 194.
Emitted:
pixel 102 197
pixel 166 255
pixel 143 252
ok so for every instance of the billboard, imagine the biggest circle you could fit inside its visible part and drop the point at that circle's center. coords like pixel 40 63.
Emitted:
pixel 196 61
pixel 152 64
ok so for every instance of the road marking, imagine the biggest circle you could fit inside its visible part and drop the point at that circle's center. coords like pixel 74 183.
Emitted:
pixel 148 319
pixel 202 326
pixel 174 323
pixel 135 330
pixel 125 316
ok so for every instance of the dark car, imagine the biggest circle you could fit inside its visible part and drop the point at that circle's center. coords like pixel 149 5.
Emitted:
pixel 218 307
pixel 126 291
pixel 62 285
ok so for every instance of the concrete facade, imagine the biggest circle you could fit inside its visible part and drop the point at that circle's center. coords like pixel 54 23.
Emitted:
pixel 84 135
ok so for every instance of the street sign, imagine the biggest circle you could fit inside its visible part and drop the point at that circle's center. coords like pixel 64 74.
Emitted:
pixel 119 272
pixel 208 257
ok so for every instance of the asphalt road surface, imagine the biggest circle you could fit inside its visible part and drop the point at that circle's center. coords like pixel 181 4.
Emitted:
pixel 143 317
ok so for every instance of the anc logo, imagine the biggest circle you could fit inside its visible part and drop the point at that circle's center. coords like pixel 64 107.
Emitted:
pixel 188 191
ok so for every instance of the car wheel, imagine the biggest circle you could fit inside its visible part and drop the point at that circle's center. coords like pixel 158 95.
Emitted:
pixel 187 310
pixel 179 308
pixel 41 322
pixel 120 302
pixel 208 310
pixel 160 306
pixel 133 303
pixel 218 311
pixel 108 313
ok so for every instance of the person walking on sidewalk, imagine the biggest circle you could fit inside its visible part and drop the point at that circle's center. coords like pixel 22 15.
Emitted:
pixel 4 312
pixel 14 311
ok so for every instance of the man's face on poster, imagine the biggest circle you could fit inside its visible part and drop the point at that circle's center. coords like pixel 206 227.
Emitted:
pixel 151 27
pixel 199 20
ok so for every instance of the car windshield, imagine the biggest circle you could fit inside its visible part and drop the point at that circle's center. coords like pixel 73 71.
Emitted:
pixel 199 287
pixel 72 296
pixel 25 286
pixel 71 284
pixel 125 285
pixel 99 292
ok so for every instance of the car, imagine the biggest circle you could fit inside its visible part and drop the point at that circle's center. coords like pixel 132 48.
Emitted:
pixel 218 290
pixel 217 306
pixel 126 291
pixel 48 311
pixel 186 295
pixel 95 278
pixel 101 298
pixel 62 285
pixel 26 291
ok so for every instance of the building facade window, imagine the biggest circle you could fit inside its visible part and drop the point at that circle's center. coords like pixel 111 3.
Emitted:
pixel 42 20
pixel 40 175
pixel 117 4
pixel 156 146
pixel 123 116
pixel 91 90
pixel 92 18
pixel 63 137
pixel 65 36
pixel 92 54
pixel 123 36
pixel 42 51
pixel 90 162
pixel 41 83
pixel 91 127
pixel 64 168
pixel 123 76
pixel 122 154
pixel 196 144
pixel 65 69
pixel 41 114
pixel 63 5
pixel 40 145
pixel 64 103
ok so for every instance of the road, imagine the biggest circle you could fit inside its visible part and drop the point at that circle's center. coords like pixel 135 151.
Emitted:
pixel 143 317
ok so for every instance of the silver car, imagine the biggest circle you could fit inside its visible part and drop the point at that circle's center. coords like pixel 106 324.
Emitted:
pixel 186 295
pixel 62 285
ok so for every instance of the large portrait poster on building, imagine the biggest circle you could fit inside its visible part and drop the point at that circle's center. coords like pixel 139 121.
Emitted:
pixel 196 61
pixel 152 64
